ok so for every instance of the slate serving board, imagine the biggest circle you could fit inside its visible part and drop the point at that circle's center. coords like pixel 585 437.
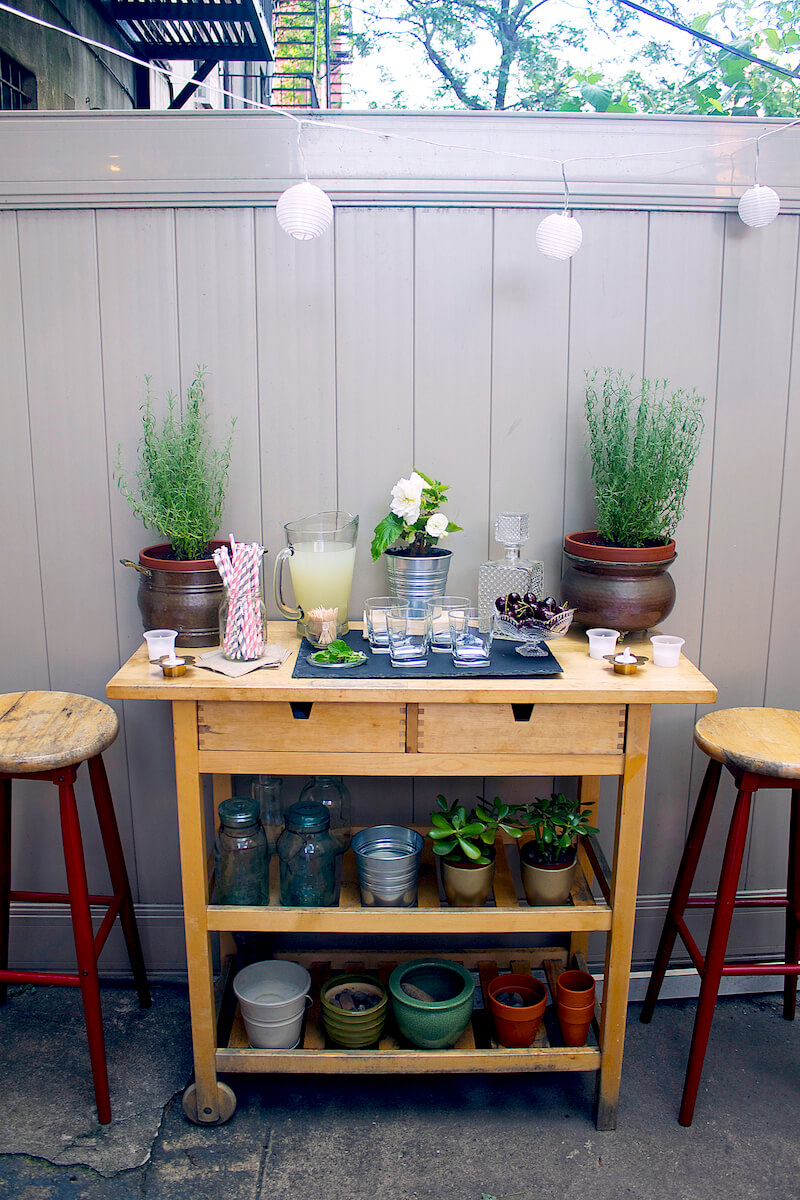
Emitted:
pixel 505 662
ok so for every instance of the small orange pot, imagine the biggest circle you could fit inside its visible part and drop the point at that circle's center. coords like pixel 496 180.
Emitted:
pixel 517 1027
pixel 574 989
pixel 575 1024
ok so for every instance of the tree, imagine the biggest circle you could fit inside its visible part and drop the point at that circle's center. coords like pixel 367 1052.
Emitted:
pixel 510 54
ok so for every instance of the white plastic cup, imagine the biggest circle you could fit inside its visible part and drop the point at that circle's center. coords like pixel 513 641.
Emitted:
pixel 160 642
pixel 602 642
pixel 666 649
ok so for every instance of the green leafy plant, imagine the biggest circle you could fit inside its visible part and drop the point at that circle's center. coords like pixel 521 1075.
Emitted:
pixel 643 441
pixel 556 823
pixel 462 837
pixel 182 479
pixel 415 516
pixel 338 652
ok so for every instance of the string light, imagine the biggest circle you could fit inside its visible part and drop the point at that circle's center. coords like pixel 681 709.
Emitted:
pixel 759 205
pixel 560 235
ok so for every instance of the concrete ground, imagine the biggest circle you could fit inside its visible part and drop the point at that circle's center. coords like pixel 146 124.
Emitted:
pixel 393 1138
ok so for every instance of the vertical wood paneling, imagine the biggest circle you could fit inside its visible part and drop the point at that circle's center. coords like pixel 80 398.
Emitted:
pixel 296 381
pixel 529 383
pixel 25 654
pixel 452 382
pixel 684 279
pixel 139 336
pixel 374 414
pixel 216 299
pixel 62 345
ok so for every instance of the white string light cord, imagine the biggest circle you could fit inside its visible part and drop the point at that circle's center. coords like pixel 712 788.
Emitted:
pixel 305 211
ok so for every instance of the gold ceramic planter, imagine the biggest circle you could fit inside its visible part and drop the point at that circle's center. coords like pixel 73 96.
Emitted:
pixel 466 886
pixel 547 885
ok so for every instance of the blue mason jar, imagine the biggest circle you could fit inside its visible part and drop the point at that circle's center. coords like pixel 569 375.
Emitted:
pixel 307 856
pixel 240 854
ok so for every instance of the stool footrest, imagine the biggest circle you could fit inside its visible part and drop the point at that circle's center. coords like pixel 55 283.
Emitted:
pixel 757 901
pixel 58 898
pixel 761 969
pixel 42 977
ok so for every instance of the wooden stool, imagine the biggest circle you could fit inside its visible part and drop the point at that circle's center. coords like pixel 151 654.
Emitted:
pixel 47 735
pixel 761 749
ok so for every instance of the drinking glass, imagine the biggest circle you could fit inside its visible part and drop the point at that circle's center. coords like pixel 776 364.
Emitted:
pixel 470 637
pixel 436 614
pixel 408 637
pixel 375 611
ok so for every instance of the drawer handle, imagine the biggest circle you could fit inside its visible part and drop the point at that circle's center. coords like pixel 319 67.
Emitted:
pixel 301 709
pixel 522 712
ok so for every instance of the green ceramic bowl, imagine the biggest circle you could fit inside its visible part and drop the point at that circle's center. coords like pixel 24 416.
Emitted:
pixel 438 1022
pixel 354 1030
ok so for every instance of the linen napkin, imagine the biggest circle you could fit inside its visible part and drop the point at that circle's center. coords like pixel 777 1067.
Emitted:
pixel 215 660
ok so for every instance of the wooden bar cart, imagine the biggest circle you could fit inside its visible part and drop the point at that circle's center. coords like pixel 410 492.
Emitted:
pixel 587 722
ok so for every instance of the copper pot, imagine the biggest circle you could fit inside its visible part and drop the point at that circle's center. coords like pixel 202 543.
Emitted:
pixel 182 594
pixel 625 588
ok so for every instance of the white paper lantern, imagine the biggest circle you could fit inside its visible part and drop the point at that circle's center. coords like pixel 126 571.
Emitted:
pixel 304 211
pixel 759 205
pixel 559 236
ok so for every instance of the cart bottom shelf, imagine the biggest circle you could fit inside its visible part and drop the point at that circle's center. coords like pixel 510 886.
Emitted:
pixel 477 1049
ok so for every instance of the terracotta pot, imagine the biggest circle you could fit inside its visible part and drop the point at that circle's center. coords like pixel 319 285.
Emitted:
pixel 517 1026
pixel 466 885
pixel 575 989
pixel 545 884
pixel 182 594
pixel 625 588
pixel 574 1032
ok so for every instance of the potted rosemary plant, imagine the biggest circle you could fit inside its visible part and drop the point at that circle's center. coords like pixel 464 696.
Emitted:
pixel 408 538
pixel 179 491
pixel 464 844
pixel 548 859
pixel 643 441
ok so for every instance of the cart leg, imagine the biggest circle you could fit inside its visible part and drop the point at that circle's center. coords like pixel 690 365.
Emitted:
pixel 588 795
pixel 619 943
pixel 226 1104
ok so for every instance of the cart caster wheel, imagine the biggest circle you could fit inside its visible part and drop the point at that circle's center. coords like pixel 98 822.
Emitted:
pixel 226 1101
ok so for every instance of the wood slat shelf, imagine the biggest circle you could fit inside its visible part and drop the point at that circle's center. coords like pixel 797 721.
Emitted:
pixel 476 1050
pixel 507 914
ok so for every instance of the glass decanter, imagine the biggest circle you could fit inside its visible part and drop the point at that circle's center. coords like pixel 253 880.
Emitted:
pixel 500 576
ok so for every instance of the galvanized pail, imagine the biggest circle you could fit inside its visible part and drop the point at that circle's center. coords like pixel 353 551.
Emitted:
pixel 417 577
pixel 388 859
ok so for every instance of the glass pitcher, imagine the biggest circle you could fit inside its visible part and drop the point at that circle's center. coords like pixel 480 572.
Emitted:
pixel 322 552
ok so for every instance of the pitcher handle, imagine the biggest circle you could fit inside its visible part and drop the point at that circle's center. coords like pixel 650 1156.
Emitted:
pixel 294 614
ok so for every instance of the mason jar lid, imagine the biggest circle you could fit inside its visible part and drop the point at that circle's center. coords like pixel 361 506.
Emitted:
pixel 238 811
pixel 307 816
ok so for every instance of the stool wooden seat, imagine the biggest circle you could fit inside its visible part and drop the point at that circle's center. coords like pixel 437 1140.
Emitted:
pixel 46 736
pixel 761 749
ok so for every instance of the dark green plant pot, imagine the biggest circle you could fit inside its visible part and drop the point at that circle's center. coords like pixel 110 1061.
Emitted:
pixel 439 1022
pixel 354 1030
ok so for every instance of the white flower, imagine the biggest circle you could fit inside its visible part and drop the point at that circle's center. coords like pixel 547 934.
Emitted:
pixel 407 498
pixel 436 526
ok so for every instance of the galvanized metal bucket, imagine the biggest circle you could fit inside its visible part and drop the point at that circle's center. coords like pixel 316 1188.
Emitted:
pixel 388 858
pixel 417 577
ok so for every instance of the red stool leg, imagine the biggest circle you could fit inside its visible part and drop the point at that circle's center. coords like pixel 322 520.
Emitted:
pixel 715 953
pixel 792 952
pixel 683 884
pixel 84 945
pixel 119 875
pixel 5 877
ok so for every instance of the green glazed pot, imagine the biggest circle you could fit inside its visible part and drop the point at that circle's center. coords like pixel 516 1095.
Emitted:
pixel 354 1030
pixel 438 1022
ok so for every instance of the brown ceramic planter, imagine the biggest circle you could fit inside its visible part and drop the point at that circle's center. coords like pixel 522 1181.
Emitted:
pixel 545 884
pixel 575 989
pixel 625 588
pixel 182 594
pixel 517 1027
pixel 465 885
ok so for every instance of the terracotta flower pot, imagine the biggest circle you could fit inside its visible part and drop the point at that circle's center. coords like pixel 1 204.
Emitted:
pixel 575 989
pixel 517 1027
pixel 622 587
pixel 575 1025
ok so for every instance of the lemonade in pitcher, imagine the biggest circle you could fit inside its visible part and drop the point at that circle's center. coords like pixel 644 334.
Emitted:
pixel 321 551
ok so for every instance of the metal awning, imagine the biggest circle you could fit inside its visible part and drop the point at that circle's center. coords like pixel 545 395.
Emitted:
pixel 218 30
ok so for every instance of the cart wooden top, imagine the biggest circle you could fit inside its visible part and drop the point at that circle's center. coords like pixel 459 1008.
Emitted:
pixel 583 681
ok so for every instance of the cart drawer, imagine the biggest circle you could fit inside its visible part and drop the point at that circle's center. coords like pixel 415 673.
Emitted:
pixel 281 726
pixel 521 728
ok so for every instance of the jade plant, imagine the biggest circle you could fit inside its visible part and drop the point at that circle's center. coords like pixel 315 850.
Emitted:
pixel 463 837
pixel 182 478
pixel 556 824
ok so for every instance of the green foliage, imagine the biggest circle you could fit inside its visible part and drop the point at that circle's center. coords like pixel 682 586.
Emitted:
pixel 462 837
pixel 181 479
pixel 338 651
pixel 643 441
pixel 557 823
